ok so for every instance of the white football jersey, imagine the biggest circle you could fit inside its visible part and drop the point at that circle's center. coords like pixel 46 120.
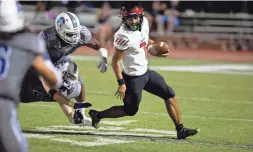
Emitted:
pixel 134 44
pixel 73 92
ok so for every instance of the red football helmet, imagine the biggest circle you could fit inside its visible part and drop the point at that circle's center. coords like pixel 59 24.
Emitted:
pixel 132 10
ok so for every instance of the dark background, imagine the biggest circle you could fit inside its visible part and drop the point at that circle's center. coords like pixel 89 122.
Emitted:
pixel 206 6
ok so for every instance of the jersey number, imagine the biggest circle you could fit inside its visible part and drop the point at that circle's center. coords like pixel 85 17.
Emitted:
pixel 5 53
pixel 42 95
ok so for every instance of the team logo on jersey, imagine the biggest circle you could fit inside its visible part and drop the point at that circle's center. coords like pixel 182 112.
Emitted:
pixel 41 95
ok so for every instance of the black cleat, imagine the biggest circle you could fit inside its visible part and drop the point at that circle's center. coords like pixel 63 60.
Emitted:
pixel 95 120
pixel 186 132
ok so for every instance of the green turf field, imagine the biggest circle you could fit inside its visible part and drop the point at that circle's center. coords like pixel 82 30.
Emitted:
pixel 221 105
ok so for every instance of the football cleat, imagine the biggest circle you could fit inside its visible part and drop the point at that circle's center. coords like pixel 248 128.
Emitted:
pixel 186 132
pixel 94 120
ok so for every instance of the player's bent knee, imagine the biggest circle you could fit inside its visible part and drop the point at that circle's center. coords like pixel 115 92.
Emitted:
pixel 131 110
pixel 170 94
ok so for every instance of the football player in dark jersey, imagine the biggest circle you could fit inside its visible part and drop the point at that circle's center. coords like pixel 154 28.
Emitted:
pixel 66 36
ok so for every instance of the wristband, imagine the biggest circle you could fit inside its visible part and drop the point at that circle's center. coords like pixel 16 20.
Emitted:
pixel 121 81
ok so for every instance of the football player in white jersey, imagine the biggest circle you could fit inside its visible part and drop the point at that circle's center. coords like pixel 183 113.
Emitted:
pixel 19 50
pixel 130 43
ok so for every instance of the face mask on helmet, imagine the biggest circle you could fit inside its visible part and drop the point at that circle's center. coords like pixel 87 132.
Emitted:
pixel 68 27
pixel 69 80
pixel 133 21
pixel 69 73
pixel 72 38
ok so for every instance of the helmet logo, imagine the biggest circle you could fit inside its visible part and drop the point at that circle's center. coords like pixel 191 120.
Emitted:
pixel 133 11
pixel 60 22
pixel 136 10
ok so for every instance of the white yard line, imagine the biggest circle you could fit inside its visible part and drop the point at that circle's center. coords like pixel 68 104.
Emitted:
pixel 107 133
pixel 111 138
pixel 98 142
pixel 236 69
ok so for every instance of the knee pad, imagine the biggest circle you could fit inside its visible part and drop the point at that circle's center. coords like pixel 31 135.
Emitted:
pixel 131 110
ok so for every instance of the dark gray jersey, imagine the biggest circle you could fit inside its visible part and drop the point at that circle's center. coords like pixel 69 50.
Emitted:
pixel 33 90
pixel 58 48
pixel 16 56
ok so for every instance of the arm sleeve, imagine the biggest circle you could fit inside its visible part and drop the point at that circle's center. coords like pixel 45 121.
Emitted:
pixel 85 35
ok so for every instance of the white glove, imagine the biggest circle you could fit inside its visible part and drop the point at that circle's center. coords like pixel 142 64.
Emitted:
pixel 86 121
pixel 81 111
pixel 102 63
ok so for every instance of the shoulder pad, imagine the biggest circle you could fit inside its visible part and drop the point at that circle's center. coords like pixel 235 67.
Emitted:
pixel 145 20
pixel 41 46
pixel 85 35
pixel 30 42
pixel 145 24
pixel 121 42
pixel 41 35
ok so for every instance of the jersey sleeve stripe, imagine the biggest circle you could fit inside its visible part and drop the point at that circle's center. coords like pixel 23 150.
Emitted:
pixel 119 41
pixel 125 43
pixel 116 40
pixel 122 42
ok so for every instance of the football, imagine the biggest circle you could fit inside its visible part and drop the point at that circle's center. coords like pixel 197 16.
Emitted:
pixel 158 48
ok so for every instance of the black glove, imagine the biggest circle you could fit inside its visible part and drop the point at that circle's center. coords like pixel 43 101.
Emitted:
pixel 79 105
pixel 78 117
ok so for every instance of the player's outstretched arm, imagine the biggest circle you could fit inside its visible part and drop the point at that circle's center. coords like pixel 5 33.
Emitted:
pixel 52 77
pixel 96 45
pixel 91 42
pixel 61 99
pixel 68 109
pixel 65 104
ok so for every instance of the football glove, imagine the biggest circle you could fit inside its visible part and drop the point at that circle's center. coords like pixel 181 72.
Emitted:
pixel 79 105
pixel 102 63
pixel 78 117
